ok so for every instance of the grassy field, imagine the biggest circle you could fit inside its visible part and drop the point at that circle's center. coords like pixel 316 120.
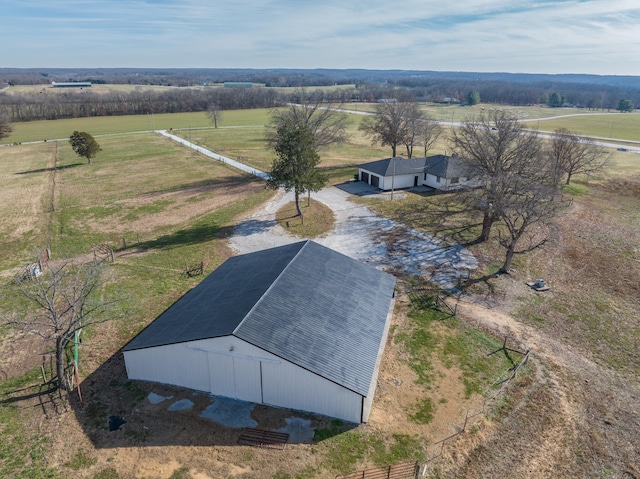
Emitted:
pixel 116 125
pixel 172 207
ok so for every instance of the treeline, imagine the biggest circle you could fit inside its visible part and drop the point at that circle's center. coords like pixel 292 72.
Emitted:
pixel 45 105
pixel 581 95
pixel 74 104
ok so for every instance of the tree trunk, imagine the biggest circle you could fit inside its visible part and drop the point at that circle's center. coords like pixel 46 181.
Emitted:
pixel 487 223
pixel 297 197
pixel 568 178
pixel 508 257
pixel 62 381
pixel 393 150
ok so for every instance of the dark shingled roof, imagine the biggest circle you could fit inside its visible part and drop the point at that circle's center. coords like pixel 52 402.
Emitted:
pixel 303 302
pixel 437 165
pixel 402 166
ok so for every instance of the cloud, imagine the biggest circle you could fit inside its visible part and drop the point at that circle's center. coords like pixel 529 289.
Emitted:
pixel 579 36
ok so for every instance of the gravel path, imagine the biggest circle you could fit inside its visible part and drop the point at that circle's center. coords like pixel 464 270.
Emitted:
pixel 360 234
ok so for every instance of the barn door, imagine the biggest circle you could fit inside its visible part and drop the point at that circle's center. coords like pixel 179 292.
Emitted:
pixel 235 377
pixel 248 379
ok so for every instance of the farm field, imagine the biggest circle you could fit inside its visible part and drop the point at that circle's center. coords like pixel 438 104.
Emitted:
pixel 574 413
pixel 172 207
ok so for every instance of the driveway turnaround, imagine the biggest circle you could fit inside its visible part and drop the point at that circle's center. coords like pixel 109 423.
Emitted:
pixel 363 235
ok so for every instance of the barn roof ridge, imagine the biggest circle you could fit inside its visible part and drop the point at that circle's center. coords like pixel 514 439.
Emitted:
pixel 266 292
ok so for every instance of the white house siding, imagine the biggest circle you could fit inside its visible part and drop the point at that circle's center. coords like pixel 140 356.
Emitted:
pixel 401 181
pixel 445 184
pixel 230 367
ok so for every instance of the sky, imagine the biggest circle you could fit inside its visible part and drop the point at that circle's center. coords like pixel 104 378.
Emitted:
pixel 519 36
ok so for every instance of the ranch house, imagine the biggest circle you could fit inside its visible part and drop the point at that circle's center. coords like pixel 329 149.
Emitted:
pixel 440 172
pixel 299 326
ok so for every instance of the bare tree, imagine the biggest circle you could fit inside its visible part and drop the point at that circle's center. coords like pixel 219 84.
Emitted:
pixel 62 300
pixel 413 119
pixel 430 131
pixel 527 213
pixel 214 113
pixel 5 126
pixel 393 124
pixel 325 120
pixel 573 155
pixel 496 149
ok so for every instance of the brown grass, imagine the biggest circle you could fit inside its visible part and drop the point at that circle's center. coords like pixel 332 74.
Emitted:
pixel 317 219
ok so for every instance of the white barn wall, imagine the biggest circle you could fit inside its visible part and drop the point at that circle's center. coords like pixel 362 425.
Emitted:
pixel 368 401
pixel 290 386
pixel 171 364
pixel 215 365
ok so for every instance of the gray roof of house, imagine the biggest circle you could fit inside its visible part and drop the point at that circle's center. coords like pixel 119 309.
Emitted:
pixel 397 165
pixel 437 165
pixel 303 302
pixel 445 166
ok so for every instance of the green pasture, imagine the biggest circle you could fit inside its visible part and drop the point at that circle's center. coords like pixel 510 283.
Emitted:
pixel 624 126
pixel 133 180
pixel 110 125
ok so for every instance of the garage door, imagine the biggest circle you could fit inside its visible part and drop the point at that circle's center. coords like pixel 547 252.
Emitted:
pixel 375 180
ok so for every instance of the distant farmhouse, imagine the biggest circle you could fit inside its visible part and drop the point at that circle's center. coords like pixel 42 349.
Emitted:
pixel 74 84
pixel 440 172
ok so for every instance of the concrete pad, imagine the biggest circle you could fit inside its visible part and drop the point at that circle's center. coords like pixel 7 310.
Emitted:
pixel 156 398
pixel 230 413
pixel 181 405
pixel 299 430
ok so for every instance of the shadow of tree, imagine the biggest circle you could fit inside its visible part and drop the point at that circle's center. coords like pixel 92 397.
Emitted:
pixel 45 170
pixel 209 185
pixel 189 236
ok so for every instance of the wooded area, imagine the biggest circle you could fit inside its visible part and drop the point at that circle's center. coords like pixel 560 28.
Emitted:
pixel 197 91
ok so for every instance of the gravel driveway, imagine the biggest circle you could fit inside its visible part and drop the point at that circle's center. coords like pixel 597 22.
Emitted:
pixel 360 234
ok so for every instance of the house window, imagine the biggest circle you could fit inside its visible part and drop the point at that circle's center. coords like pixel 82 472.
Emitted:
pixel 425 176
pixel 437 179
pixel 454 180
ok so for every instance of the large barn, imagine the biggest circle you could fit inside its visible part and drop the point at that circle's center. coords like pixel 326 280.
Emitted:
pixel 299 326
